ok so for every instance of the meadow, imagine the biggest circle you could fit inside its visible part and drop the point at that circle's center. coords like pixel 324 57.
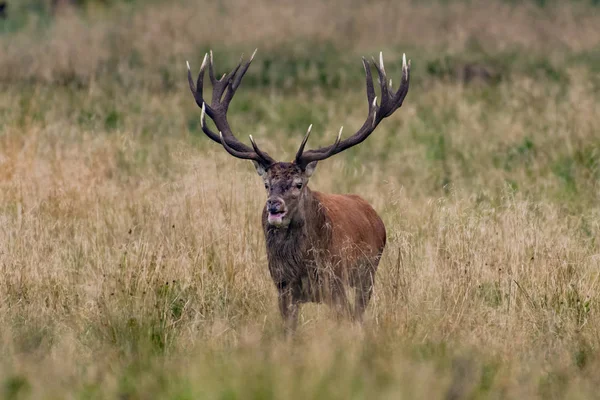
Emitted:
pixel 132 260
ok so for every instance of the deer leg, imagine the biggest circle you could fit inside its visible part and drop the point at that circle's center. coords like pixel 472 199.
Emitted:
pixel 363 296
pixel 288 307
pixel 340 301
pixel 363 292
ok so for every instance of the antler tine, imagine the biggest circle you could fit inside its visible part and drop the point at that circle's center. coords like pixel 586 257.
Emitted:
pixel 224 85
pixel 227 77
pixel 389 103
pixel 404 82
pixel 303 160
pixel 258 151
pixel 369 79
pixel 211 69
pixel 301 148
pixel 231 75
pixel 198 88
pixel 383 83
pixel 236 78
pixel 336 143
pixel 374 111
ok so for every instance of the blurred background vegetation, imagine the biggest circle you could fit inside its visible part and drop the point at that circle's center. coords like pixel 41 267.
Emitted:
pixel 487 52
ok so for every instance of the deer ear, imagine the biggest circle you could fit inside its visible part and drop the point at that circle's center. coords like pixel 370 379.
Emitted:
pixel 310 169
pixel 259 168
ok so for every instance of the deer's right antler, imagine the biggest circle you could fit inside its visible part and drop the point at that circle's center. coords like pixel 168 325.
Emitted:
pixel 223 91
pixel 390 102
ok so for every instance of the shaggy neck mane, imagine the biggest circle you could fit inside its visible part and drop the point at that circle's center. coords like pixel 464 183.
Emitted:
pixel 290 248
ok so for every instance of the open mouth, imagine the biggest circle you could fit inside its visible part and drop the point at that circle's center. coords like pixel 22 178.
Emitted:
pixel 276 218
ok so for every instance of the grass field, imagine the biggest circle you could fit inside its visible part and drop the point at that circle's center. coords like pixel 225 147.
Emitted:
pixel 132 261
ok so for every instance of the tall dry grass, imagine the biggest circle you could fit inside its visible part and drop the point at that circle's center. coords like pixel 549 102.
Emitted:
pixel 132 262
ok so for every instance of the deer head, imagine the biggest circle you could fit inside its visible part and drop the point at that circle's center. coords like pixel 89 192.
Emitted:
pixel 286 182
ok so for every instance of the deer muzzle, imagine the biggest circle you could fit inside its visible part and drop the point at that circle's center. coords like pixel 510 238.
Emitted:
pixel 276 211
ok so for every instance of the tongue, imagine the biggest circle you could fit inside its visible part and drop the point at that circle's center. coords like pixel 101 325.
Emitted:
pixel 275 219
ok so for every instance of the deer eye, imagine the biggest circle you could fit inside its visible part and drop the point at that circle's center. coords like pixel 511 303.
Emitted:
pixel 299 185
pixel 267 186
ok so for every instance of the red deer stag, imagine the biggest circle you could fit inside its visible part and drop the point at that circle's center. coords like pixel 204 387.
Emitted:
pixel 317 244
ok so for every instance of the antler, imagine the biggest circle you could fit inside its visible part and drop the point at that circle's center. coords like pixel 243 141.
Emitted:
pixel 390 102
pixel 223 91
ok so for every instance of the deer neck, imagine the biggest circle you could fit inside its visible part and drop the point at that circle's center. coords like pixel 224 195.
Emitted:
pixel 288 249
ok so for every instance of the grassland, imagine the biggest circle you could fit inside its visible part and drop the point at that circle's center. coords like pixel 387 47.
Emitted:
pixel 132 262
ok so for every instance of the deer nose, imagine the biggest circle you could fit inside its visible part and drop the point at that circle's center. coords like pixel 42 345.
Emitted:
pixel 275 205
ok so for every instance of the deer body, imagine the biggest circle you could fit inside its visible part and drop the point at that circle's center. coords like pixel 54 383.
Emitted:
pixel 317 244
pixel 336 243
